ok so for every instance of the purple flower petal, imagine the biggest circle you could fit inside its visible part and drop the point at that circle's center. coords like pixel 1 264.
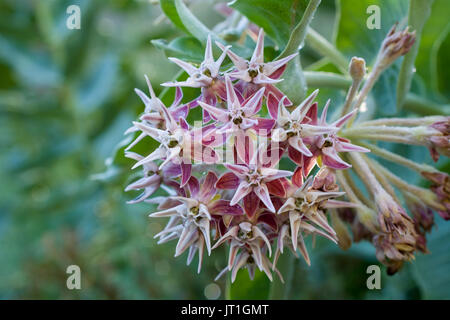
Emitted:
pixel 208 189
pixel 227 181
pixel 223 207
pixel 251 203
pixel 186 169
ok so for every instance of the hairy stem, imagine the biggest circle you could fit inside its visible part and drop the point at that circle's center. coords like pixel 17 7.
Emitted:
pixel 425 195
pixel 393 157
pixel 401 131
pixel 325 48
pixel 383 137
pixel 402 121
pixel 413 103
pixel 350 97
pixel 364 172
pixel 349 191
pixel 381 178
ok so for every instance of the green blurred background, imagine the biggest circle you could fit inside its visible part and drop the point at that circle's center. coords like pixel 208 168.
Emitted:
pixel 66 97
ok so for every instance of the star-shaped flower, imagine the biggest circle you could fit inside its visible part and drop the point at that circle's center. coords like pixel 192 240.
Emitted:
pixel 190 221
pixel 154 111
pixel 329 145
pixel 306 208
pixel 206 76
pixel 258 176
pixel 178 144
pixel 153 177
pixel 255 73
pixel 295 126
pixel 253 243
pixel 238 118
pixel 256 70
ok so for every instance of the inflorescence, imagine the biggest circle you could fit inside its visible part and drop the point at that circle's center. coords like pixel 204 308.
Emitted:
pixel 222 176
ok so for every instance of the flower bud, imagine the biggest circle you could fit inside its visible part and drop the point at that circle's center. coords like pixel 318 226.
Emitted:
pixel 325 180
pixel 441 188
pixel 423 215
pixel 439 143
pixel 396 44
pixel 357 69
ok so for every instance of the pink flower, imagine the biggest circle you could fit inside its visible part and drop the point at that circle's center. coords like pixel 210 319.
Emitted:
pixel 153 177
pixel 154 111
pixel 256 176
pixel 256 73
pixel 304 212
pixel 177 144
pixel 238 118
pixel 329 145
pixel 206 76
pixel 190 220
pixel 294 127
pixel 252 243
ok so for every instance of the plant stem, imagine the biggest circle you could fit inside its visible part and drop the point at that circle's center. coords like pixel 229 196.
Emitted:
pixel 382 137
pixel 425 195
pixel 381 178
pixel 364 172
pixel 414 103
pixel 393 157
pixel 350 97
pixel 349 191
pixel 366 214
pixel 299 33
pixel 400 131
pixel 424 121
pixel 320 79
pixel 324 47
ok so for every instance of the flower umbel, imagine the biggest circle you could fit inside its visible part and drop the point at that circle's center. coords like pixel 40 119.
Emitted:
pixel 269 195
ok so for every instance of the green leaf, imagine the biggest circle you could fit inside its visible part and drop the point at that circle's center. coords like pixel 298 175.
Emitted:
pixel 277 18
pixel 431 270
pixel 419 11
pixel 97 86
pixel 434 31
pixel 441 61
pixel 26 62
pixel 170 10
pixel 356 39
pixel 294 83
pixel 192 24
pixel 185 48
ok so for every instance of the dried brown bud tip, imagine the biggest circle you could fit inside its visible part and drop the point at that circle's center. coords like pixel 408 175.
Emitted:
pixel 396 44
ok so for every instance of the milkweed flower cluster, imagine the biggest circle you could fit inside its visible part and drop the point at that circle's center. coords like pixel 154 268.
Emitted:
pixel 223 178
